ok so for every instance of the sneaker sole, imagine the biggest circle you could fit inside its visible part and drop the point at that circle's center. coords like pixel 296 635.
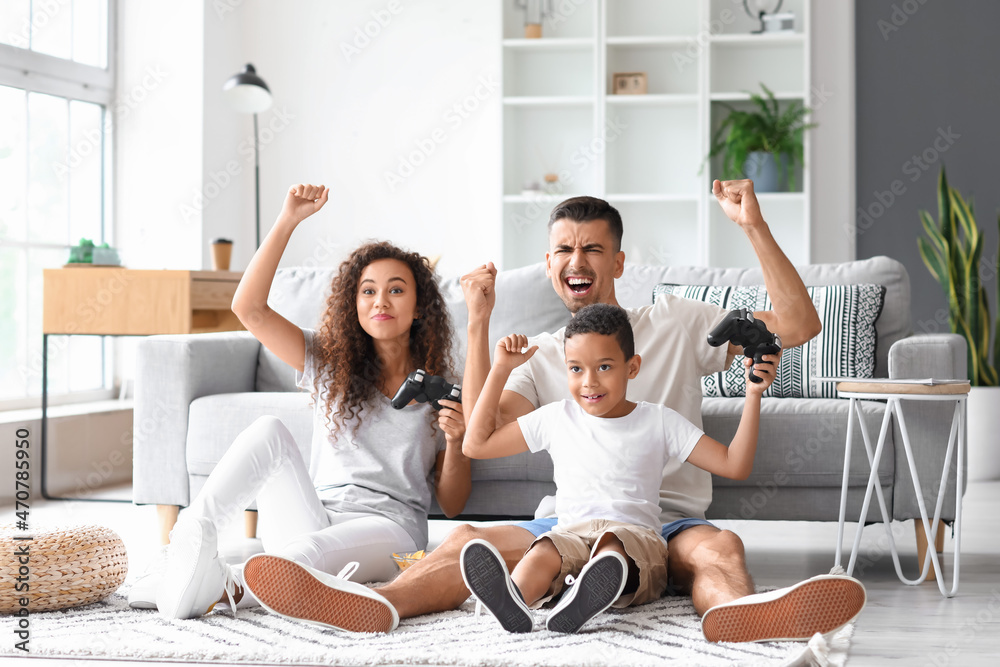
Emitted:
pixel 598 588
pixel 485 578
pixel 819 606
pixel 289 590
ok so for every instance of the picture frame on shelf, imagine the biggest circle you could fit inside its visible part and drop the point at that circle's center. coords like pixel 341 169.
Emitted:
pixel 629 83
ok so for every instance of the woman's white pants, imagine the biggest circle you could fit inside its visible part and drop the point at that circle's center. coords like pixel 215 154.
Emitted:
pixel 265 464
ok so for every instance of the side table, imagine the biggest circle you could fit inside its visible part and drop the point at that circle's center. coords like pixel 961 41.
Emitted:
pixel 894 392
pixel 115 301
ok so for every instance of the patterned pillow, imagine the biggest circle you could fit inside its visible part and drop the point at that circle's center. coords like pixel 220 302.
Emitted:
pixel 845 347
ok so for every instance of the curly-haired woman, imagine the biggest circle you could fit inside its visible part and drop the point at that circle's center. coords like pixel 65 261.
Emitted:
pixel 366 490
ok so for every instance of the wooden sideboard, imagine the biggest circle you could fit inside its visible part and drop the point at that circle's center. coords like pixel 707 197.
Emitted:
pixel 114 301
pixel 133 302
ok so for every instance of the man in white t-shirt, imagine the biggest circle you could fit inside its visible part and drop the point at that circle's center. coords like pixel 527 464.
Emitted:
pixel 583 261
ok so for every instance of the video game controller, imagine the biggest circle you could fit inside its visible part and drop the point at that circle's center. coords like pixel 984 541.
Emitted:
pixel 423 387
pixel 741 328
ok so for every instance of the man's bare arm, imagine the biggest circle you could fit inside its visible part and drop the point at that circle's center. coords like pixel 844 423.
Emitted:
pixel 479 288
pixel 793 316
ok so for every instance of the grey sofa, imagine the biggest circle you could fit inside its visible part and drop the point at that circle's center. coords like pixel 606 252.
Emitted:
pixel 195 393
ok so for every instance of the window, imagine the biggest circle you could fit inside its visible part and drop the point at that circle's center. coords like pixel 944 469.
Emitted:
pixel 56 93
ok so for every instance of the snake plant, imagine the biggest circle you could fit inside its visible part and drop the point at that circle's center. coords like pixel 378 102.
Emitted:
pixel 952 254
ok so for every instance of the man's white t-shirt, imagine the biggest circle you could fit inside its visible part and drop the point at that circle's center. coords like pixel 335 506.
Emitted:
pixel 671 338
pixel 609 468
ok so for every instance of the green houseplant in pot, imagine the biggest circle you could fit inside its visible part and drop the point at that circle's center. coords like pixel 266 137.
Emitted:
pixel 953 253
pixel 763 143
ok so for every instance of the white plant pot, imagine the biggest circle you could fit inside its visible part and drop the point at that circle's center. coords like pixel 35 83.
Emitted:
pixel 983 425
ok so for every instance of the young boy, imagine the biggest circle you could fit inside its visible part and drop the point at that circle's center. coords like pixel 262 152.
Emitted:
pixel 608 454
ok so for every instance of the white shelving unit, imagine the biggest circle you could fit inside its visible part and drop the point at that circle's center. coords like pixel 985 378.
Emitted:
pixel 644 153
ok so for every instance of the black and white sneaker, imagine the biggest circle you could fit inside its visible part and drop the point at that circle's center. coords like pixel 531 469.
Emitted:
pixel 600 583
pixel 485 573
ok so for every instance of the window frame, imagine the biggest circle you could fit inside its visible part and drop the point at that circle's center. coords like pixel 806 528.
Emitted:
pixel 35 72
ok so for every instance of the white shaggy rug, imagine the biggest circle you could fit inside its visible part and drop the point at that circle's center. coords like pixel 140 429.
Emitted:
pixel 666 632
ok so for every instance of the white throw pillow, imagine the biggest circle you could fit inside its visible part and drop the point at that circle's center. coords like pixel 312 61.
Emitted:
pixel 845 347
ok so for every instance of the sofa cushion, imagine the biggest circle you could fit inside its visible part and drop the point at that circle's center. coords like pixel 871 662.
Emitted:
pixel 523 467
pixel 299 295
pixel 801 441
pixel 845 348
pixel 635 288
pixel 215 421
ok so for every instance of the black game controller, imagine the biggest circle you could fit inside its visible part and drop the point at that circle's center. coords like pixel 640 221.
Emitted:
pixel 423 387
pixel 741 328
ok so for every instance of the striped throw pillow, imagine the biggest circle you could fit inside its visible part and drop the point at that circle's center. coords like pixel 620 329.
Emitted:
pixel 845 347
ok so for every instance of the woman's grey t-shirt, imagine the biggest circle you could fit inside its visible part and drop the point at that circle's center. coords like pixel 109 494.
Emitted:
pixel 381 462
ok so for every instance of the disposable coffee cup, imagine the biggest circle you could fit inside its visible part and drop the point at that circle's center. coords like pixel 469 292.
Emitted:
pixel 222 251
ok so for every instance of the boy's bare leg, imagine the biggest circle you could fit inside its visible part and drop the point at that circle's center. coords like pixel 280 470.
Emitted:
pixel 710 565
pixel 537 570
pixel 435 583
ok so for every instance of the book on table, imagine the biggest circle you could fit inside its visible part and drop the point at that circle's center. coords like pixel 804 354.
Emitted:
pixel 924 381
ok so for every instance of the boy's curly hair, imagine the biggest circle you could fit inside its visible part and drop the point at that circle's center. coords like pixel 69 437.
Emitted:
pixel 604 319
pixel 345 354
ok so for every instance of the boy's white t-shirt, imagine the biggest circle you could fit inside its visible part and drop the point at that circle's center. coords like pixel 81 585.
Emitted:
pixel 671 337
pixel 609 468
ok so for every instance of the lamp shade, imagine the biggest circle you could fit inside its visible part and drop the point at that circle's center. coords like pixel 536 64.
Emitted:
pixel 247 92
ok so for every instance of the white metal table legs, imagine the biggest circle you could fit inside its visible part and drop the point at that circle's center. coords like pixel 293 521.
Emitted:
pixel 955 439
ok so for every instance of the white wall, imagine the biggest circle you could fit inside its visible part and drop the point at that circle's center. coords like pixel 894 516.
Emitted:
pixel 348 107
pixel 346 111
pixel 158 142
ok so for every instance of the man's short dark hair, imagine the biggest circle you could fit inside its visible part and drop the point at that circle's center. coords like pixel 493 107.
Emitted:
pixel 607 320
pixel 586 209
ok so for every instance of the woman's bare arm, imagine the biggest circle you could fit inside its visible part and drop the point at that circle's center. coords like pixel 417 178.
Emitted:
pixel 250 301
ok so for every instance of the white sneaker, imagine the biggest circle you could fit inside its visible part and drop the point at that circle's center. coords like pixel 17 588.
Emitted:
pixel 822 604
pixel 302 593
pixel 599 584
pixel 194 577
pixel 142 595
pixel 486 576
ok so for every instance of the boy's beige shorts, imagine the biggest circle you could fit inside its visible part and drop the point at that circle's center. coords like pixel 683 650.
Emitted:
pixel 576 543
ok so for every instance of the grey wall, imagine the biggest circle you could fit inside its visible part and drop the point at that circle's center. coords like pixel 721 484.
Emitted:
pixel 928 94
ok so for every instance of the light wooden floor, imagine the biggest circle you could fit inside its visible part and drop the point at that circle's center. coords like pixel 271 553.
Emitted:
pixel 901 625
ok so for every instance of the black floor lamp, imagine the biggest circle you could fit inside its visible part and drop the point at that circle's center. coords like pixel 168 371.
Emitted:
pixel 247 93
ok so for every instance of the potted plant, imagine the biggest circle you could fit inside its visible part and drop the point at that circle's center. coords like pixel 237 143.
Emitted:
pixel 762 144
pixel 953 253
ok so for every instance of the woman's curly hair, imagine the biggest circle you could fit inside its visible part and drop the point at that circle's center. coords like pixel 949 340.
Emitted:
pixel 345 354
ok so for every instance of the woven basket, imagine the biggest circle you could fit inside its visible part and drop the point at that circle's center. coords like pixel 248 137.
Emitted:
pixel 68 567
